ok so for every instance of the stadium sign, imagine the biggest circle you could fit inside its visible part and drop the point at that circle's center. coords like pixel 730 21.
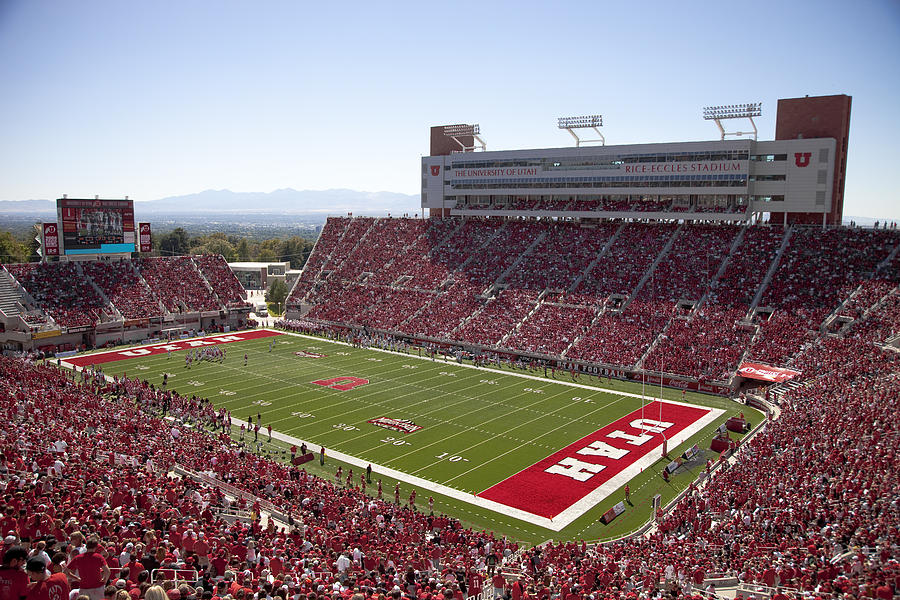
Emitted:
pixel 40 335
pixel 766 373
pixel 401 425
pixel 50 244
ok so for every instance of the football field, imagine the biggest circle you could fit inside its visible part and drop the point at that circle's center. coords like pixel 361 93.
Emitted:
pixel 519 452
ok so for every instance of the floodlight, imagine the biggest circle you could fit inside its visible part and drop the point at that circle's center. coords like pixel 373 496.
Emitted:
pixel 582 122
pixel 720 113
pixel 733 111
pixel 463 130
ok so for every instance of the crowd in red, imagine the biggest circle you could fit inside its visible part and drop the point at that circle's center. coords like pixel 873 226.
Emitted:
pixel 222 279
pixel 83 456
pixel 60 290
pixel 124 288
pixel 66 292
pixel 809 507
pixel 608 293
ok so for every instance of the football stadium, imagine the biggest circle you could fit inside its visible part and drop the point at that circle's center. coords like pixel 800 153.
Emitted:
pixel 599 371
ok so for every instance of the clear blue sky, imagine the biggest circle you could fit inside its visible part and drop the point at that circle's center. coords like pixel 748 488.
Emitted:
pixel 154 99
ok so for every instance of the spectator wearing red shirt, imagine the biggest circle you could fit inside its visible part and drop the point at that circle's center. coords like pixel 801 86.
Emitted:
pixel 499 582
pixel 45 586
pixel 89 570
pixel 13 580
pixel 201 549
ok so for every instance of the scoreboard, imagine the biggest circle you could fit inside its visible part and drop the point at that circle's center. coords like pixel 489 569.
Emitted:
pixel 96 226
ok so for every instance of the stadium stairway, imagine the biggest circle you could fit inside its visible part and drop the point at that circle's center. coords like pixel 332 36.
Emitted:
pixel 735 244
pixel 109 312
pixel 593 263
pixel 517 326
pixel 137 273
pixel 834 314
pixel 661 336
pixel 475 255
pixel 209 286
pixel 872 310
pixel 695 309
pixel 328 261
pixel 528 252
pixel 10 299
pixel 600 311
pixel 770 273
pixel 316 248
pixel 649 272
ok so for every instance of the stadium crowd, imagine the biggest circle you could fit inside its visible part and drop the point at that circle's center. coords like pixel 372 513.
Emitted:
pixel 66 290
pixel 808 508
pixel 619 291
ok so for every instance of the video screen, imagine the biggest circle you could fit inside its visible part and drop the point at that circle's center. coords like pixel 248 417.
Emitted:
pixel 96 224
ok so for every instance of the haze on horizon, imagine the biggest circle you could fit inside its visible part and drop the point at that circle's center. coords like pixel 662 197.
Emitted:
pixel 153 100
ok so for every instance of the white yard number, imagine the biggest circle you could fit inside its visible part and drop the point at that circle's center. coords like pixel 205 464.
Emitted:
pixel 342 354
pixel 410 367
pixel 395 442
pixel 374 359
pixel 453 458
pixel 302 415
pixel 261 403
pixel 488 382
pixel 534 391
pixel 227 393
pixel 345 427
pixel 448 374
pixel 195 383
pixel 580 399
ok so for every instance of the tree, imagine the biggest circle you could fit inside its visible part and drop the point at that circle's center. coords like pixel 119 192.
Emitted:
pixel 243 250
pixel 277 293
pixel 295 250
pixel 213 245
pixel 266 255
pixel 11 249
pixel 174 243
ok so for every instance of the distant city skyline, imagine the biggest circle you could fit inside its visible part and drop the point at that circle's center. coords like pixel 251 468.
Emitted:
pixel 153 100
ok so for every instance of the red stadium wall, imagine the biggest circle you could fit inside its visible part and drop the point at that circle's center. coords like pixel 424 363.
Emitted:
pixel 818 117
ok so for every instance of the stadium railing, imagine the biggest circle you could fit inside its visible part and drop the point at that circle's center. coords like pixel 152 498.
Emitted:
pixel 183 575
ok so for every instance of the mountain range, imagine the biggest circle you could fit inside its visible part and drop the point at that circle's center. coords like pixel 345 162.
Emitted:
pixel 282 201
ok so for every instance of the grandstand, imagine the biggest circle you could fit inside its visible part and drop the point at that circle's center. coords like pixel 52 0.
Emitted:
pixel 633 296
pixel 685 287
pixel 85 303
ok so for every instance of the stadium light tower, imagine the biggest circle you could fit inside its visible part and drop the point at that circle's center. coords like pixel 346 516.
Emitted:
pixel 584 122
pixel 466 135
pixel 733 111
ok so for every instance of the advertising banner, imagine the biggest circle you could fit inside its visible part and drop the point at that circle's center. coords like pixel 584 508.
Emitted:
pixel 50 244
pixel 144 240
pixel 766 373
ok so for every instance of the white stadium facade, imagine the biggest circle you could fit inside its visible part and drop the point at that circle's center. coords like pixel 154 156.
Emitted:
pixel 796 178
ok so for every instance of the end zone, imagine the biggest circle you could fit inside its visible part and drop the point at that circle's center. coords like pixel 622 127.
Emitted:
pixel 174 346
pixel 574 479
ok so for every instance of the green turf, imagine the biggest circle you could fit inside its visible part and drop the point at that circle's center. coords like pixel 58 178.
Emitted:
pixel 478 426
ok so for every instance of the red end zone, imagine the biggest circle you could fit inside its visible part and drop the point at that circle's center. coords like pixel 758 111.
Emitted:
pixel 552 485
pixel 225 338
